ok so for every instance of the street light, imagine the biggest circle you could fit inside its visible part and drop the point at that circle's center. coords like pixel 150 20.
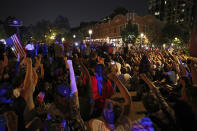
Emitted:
pixel 141 36
pixel 74 36
pixel 164 45
pixel 63 39
pixel 90 33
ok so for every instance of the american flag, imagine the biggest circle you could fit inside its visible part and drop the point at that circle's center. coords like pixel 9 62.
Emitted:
pixel 14 43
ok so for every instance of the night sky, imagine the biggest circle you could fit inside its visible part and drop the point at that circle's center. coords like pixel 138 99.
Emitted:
pixel 31 11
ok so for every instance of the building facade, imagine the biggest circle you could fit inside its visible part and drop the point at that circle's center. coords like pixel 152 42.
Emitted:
pixel 110 31
pixel 174 11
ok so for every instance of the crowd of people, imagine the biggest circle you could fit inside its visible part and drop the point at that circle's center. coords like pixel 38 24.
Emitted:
pixel 70 88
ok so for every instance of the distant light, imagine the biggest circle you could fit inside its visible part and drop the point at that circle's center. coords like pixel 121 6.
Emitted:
pixel 165 2
pixel 12 48
pixel 164 45
pixel 142 35
pixel 29 47
pixel 176 38
pixel 90 31
pixel 172 44
pixel 146 48
pixel 157 13
pixel 153 45
pixel 52 37
pixel 15 22
pixel 74 36
pixel 3 40
pixel 76 44
pixel 63 39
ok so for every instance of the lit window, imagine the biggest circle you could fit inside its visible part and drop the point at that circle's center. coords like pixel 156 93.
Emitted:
pixel 157 13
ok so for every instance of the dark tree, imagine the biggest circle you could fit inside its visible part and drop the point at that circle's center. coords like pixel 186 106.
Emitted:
pixel 25 34
pixel 40 30
pixel 118 11
pixel 130 33
pixel 171 31
pixel 62 26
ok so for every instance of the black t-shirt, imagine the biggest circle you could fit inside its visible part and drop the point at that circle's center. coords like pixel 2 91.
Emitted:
pixel 185 117
pixel 19 105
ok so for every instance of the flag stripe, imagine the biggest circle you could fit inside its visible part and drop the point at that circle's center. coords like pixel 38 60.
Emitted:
pixel 19 43
pixel 15 45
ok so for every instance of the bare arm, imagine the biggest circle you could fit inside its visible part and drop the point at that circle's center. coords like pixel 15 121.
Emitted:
pixel 42 71
pixel 158 94
pixel 124 92
pixel 28 77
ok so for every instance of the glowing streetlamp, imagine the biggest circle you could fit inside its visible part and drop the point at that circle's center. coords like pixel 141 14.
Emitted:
pixel 63 39
pixel 141 36
pixel 90 33
pixel 164 46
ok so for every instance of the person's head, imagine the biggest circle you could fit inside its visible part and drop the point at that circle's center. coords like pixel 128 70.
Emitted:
pixel 62 96
pixel 94 55
pixel 112 111
pixel 144 64
pixel 151 104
